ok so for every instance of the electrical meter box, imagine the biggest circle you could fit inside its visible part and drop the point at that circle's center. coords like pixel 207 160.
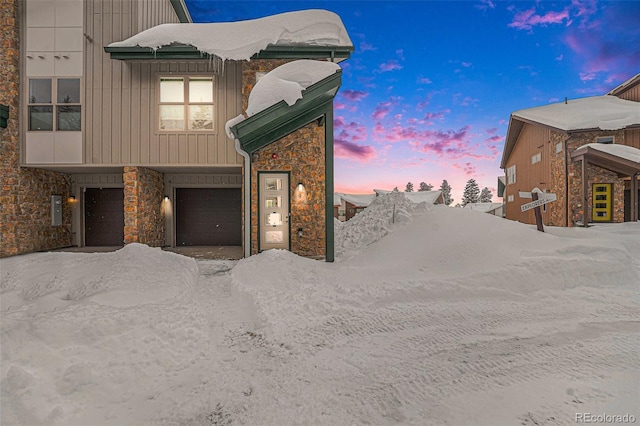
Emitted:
pixel 56 210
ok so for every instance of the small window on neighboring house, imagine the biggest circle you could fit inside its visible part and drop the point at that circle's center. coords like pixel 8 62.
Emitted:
pixel 65 112
pixel 510 199
pixel 536 158
pixel 604 139
pixel 186 103
pixel 511 174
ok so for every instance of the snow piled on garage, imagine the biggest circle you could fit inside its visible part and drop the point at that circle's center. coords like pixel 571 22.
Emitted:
pixel 241 40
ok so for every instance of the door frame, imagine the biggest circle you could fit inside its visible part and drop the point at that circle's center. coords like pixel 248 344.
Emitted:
pixel 260 208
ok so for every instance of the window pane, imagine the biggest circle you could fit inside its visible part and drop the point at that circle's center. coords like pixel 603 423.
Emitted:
pixel 171 117
pixel 68 90
pixel 171 90
pixel 68 118
pixel 200 117
pixel 201 90
pixel 40 91
pixel 40 118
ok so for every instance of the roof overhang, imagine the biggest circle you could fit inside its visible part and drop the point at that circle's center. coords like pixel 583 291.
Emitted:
pixel 622 166
pixel 181 10
pixel 188 52
pixel 4 115
pixel 281 119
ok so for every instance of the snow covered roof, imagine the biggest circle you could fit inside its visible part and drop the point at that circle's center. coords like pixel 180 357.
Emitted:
pixel 592 113
pixel 622 151
pixel 358 200
pixel 285 83
pixel 243 39
pixel 430 197
pixel 626 85
pixel 596 112
pixel 483 207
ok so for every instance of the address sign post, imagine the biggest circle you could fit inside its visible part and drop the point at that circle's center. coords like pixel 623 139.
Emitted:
pixel 539 198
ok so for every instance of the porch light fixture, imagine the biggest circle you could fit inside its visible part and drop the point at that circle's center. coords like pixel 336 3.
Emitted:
pixel 72 198
pixel 300 186
pixel 166 198
pixel 255 156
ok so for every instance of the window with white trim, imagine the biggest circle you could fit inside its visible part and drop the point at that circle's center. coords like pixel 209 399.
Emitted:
pixel 510 199
pixel 511 174
pixel 536 158
pixel 54 104
pixel 186 103
pixel 604 139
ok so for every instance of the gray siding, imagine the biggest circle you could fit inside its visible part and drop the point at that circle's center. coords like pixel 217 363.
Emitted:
pixel 120 105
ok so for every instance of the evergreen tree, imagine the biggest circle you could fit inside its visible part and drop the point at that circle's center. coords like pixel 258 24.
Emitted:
pixel 396 189
pixel 425 186
pixel 485 195
pixel 446 192
pixel 471 192
pixel 409 187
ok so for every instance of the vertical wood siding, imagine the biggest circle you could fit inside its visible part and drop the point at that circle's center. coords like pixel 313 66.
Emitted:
pixel 120 108
pixel 631 94
pixel 532 140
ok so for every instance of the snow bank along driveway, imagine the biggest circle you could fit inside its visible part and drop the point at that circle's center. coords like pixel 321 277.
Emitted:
pixel 446 316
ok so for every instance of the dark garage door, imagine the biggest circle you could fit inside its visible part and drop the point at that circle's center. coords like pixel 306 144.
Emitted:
pixel 104 216
pixel 208 217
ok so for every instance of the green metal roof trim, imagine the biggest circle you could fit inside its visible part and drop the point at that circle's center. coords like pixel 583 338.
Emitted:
pixel 181 51
pixel 181 10
pixel 281 119
pixel 4 115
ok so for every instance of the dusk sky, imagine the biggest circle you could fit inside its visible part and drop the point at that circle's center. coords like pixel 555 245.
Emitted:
pixel 427 94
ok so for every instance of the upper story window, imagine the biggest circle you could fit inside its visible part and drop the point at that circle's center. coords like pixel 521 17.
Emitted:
pixel 54 104
pixel 536 158
pixel 186 103
pixel 511 174
pixel 605 139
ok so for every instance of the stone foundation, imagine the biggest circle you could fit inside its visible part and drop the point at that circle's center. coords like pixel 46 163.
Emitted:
pixel 25 201
pixel 143 206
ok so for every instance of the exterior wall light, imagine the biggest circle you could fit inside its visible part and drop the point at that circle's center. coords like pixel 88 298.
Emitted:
pixel 72 199
pixel 166 198
pixel 300 186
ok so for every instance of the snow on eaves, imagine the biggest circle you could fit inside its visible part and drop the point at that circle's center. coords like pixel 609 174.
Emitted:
pixel 596 112
pixel 241 40
pixel 285 83
pixel 622 151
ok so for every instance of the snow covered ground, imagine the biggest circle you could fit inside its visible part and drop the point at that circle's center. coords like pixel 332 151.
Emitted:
pixel 445 316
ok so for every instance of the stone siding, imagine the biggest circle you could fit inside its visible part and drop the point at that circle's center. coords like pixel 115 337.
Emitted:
pixel 301 153
pixel 595 175
pixel 143 206
pixel 25 201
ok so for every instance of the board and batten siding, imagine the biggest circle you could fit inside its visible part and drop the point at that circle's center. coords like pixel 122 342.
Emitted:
pixel 120 104
pixel 532 140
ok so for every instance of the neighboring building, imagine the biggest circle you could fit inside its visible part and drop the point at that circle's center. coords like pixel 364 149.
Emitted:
pixel 122 121
pixel 429 197
pixel 496 209
pixel 554 146
pixel 350 204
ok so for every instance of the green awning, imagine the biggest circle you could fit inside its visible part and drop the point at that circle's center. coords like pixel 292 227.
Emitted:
pixel 280 120
pixel 4 115
pixel 187 52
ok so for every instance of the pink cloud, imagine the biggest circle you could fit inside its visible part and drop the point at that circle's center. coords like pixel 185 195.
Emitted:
pixel 338 105
pixel 528 19
pixel 354 95
pixel 468 168
pixel 364 46
pixel 485 4
pixel 383 108
pixel 491 131
pixel 390 65
pixel 348 134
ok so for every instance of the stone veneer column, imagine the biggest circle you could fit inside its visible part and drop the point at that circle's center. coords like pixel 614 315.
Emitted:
pixel 25 200
pixel 595 175
pixel 143 206
pixel 301 153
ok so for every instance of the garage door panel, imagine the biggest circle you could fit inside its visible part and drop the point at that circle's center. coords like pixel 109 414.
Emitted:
pixel 104 216
pixel 208 217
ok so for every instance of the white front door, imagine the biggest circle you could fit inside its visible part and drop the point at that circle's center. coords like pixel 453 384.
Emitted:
pixel 273 210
